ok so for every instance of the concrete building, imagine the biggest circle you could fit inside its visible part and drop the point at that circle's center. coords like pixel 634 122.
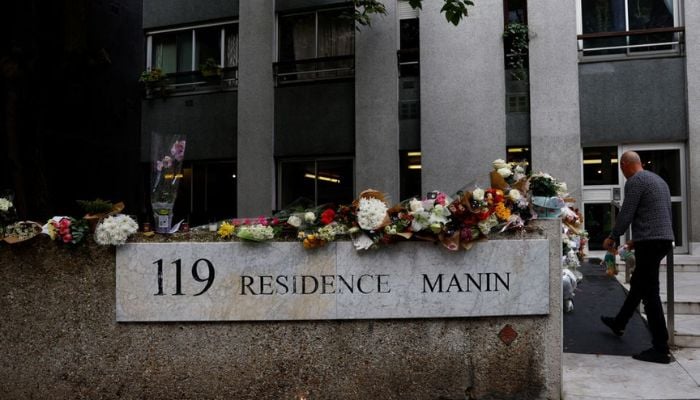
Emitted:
pixel 306 106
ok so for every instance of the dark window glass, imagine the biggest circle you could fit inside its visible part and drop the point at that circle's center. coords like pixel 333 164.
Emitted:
pixel 410 174
pixel 666 164
pixel 208 47
pixel 334 183
pixel 309 183
pixel 598 222
pixel 518 154
pixel 231 50
pixel 516 11
pixel 221 190
pixel 600 166
pixel 297 40
pixel 336 34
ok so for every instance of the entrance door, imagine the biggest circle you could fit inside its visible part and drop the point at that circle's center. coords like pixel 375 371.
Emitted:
pixel 668 161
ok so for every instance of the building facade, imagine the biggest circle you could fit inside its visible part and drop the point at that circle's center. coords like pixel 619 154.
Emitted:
pixel 302 108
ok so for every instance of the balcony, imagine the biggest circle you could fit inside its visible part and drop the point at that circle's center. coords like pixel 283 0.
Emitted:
pixel 657 42
pixel 193 82
pixel 315 69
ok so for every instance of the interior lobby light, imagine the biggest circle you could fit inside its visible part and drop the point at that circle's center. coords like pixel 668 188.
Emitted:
pixel 593 161
pixel 413 154
pixel 515 150
pixel 414 166
pixel 322 178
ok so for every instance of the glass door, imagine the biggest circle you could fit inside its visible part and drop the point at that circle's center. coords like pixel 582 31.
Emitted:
pixel 668 161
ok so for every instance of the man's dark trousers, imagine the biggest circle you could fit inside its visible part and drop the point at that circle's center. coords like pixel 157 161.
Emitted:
pixel 644 287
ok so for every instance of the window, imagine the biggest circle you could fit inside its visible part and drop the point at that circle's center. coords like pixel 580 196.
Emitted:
pixel 410 174
pixel 187 54
pixel 207 192
pixel 646 25
pixel 314 182
pixel 315 45
pixel 600 166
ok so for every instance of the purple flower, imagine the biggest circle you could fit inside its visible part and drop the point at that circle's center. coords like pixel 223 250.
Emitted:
pixel 178 150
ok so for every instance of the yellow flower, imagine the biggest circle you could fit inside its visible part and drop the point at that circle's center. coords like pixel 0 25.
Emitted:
pixel 226 230
pixel 502 212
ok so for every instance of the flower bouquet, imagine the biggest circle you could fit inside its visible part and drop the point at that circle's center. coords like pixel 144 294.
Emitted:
pixel 547 195
pixel 21 231
pixel 7 212
pixel 66 229
pixel 165 178
pixel 98 209
pixel 114 230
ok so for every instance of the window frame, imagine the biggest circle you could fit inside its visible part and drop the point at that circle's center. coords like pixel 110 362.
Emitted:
pixel 316 161
pixel 315 12
pixel 678 22
pixel 193 29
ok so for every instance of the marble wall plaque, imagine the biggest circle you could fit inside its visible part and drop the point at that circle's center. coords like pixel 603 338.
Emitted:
pixel 242 281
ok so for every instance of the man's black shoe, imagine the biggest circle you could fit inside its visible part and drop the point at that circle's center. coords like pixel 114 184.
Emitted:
pixel 610 323
pixel 653 355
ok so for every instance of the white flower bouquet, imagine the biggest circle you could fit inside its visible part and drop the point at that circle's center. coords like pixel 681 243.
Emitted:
pixel 114 230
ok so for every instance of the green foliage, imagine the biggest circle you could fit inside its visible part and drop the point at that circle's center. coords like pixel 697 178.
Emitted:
pixel 543 186
pixel 97 206
pixel 151 75
pixel 210 67
pixel 454 10
pixel 520 37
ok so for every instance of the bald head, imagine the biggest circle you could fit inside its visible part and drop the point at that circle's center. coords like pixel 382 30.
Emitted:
pixel 630 163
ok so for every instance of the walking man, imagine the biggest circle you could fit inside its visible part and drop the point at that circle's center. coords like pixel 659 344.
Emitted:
pixel 647 207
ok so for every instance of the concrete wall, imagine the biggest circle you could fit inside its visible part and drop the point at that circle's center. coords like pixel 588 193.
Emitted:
pixel 210 122
pixel 160 13
pixel 463 121
pixel 61 341
pixel 315 119
pixel 554 91
pixel 256 112
pixel 376 105
pixel 692 38
pixel 633 101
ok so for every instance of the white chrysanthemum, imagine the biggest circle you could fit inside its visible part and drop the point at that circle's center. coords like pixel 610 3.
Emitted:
pixel 514 195
pixel 294 221
pixel 115 230
pixel 5 204
pixel 519 170
pixel 478 194
pixel 371 213
pixel 500 164
pixel 415 205
pixel 309 217
pixel 504 172
pixel 561 188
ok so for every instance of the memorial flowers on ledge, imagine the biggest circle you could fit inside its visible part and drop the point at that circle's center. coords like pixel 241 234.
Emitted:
pixel 547 195
pixel 66 229
pixel 167 159
pixel 115 230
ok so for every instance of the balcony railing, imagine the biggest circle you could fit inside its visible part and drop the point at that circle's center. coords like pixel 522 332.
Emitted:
pixel 186 83
pixel 634 43
pixel 315 69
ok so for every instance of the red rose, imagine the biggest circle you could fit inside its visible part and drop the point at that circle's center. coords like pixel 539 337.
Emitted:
pixel 67 238
pixel 327 216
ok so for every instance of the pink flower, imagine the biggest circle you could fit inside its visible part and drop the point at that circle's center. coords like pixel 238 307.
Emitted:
pixel 178 150
pixel 440 199
pixel 275 221
pixel 262 220
pixel 67 238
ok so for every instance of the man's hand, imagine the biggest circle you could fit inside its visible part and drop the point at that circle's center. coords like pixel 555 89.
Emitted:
pixel 609 244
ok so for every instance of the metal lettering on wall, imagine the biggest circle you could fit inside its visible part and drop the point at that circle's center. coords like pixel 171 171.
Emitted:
pixel 282 281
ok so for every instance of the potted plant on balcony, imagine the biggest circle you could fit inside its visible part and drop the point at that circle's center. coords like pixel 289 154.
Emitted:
pixel 210 69
pixel 154 81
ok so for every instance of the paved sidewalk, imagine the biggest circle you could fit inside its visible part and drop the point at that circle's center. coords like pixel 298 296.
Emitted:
pixel 589 377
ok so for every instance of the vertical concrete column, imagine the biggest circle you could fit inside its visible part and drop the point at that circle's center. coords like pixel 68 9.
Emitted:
pixel 692 48
pixel 377 105
pixel 554 96
pixel 255 159
pixel 463 120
